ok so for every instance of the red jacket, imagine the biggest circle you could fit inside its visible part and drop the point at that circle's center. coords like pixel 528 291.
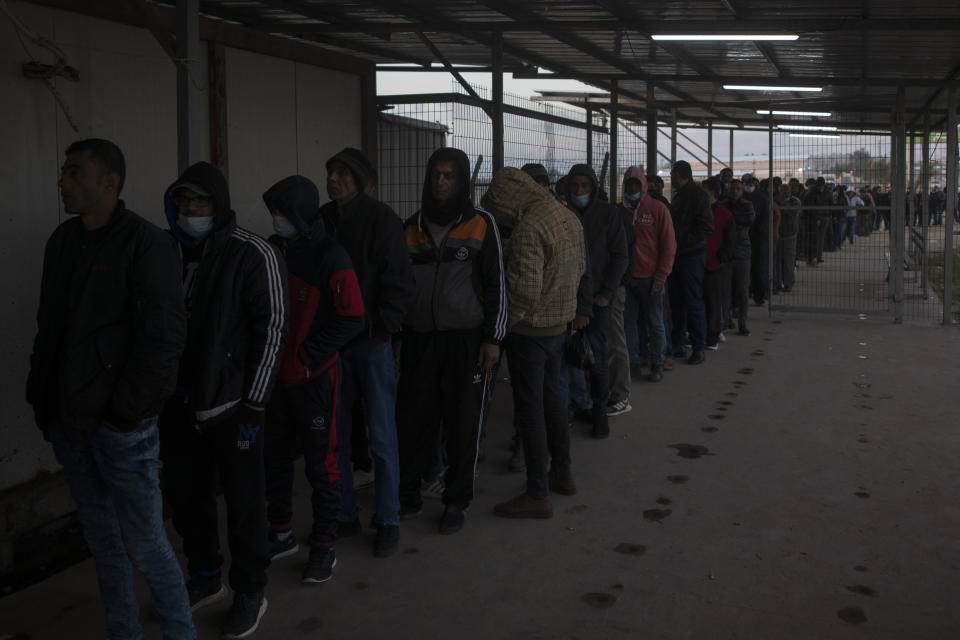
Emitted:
pixel 715 257
pixel 656 243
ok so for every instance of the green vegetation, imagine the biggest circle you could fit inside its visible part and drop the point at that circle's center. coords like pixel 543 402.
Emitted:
pixel 935 274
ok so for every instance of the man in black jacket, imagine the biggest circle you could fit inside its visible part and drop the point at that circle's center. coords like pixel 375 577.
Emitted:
pixel 759 239
pixel 607 251
pixel 372 234
pixel 326 311
pixel 743 216
pixel 111 328
pixel 234 287
pixel 693 224
pixel 451 337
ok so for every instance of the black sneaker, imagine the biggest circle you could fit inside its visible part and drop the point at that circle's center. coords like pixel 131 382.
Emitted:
pixel 696 357
pixel 601 427
pixel 204 591
pixel 452 520
pixel 320 567
pixel 281 546
pixel 388 540
pixel 410 510
pixel 244 615
pixel 679 354
pixel 656 374
pixel 347 529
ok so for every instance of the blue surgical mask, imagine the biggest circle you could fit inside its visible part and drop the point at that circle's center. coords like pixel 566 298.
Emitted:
pixel 632 198
pixel 580 202
pixel 196 227
pixel 283 227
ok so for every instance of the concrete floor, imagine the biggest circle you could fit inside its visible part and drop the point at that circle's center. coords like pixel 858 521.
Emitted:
pixel 829 486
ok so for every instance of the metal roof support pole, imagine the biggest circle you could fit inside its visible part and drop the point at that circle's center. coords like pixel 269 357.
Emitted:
pixel 614 138
pixel 912 181
pixel 496 111
pixel 589 135
pixel 731 150
pixel 651 133
pixel 710 148
pixel 673 136
pixel 770 205
pixel 188 95
pixel 925 205
pixel 952 167
pixel 897 205
pixel 217 81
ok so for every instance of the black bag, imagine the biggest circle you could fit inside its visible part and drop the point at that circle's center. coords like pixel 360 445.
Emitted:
pixel 578 352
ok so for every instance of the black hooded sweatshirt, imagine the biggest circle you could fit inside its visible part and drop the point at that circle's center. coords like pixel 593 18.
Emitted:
pixel 111 325
pixel 237 305
pixel 606 242
pixel 459 284
pixel 326 306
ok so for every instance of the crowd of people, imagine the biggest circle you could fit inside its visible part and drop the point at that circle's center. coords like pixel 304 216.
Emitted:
pixel 172 363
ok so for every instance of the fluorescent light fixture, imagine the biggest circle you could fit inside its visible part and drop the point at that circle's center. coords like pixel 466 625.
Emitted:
pixel 760 87
pixel 812 135
pixel 729 37
pixel 812 114
pixel 805 127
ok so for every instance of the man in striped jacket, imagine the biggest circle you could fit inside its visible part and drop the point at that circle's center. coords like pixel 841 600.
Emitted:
pixel 235 294
pixel 451 337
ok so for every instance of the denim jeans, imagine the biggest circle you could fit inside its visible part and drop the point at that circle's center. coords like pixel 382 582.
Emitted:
pixel 114 479
pixel 368 372
pixel 538 405
pixel 645 310
pixel 847 228
pixel 686 300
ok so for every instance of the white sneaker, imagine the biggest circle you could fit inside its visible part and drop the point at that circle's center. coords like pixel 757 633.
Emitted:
pixel 618 408
pixel 723 338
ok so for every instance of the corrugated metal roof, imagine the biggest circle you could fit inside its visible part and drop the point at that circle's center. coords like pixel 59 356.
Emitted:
pixel 859 51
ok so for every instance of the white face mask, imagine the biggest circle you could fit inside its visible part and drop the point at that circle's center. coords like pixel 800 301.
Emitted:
pixel 197 227
pixel 283 227
pixel 750 189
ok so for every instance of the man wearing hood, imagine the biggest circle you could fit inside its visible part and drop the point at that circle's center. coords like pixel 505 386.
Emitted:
pixel 607 249
pixel 451 336
pixel 653 256
pixel 234 286
pixel 743 217
pixel 547 281
pixel 373 236
pixel 111 327
pixel 716 279
pixel 759 239
pixel 692 224
pixel 618 354
pixel 326 311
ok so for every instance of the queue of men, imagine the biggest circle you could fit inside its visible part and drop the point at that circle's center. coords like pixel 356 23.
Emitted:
pixel 170 363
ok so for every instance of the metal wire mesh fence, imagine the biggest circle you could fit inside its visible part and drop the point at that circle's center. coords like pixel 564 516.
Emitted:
pixel 842 245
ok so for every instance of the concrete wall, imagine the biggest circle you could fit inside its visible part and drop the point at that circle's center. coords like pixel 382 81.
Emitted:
pixel 283 117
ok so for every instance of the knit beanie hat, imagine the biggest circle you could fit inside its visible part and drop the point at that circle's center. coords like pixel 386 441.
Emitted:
pixel 536 171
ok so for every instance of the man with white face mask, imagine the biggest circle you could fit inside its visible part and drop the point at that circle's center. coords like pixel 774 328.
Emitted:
pixel 326 312
pixel 235 294
pixel 759 239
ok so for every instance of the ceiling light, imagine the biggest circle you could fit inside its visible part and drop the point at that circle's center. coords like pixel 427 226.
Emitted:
pixel 759 87
pixel 805 127
pixel 732 37
pixel 812 135
pixel 812 114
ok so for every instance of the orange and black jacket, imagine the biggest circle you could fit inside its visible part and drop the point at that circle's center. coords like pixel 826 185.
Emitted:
pixel 459 285
pixel 326 306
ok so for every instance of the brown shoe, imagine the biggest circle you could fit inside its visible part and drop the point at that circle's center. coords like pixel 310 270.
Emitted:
pixel 523 506
pixel 668 364
pixel 562 485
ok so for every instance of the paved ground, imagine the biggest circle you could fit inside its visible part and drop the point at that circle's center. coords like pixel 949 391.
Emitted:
pixel 827 484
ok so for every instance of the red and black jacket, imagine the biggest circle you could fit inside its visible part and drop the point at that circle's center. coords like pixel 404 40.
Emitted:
pixel 326 305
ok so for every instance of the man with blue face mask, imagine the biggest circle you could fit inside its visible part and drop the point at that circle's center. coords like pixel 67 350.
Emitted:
pixel 607 257
pixel 234 286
